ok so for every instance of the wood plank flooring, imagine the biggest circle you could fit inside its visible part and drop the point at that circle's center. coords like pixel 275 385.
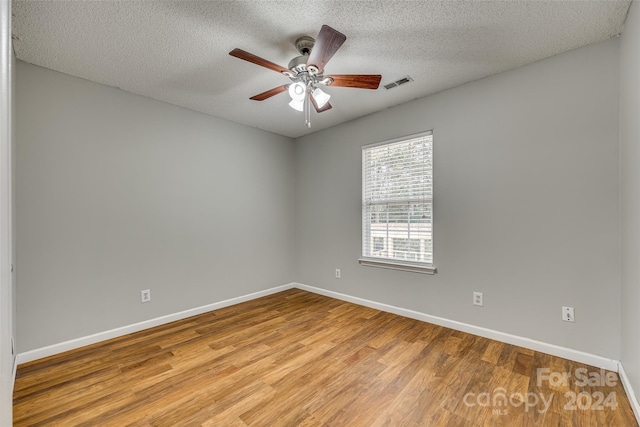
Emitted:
pixel 301 359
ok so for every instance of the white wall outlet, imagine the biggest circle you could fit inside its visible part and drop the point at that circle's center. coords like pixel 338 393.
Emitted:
pixel 145 295
pixel 568 314
pixel 337 273
pixel 478 299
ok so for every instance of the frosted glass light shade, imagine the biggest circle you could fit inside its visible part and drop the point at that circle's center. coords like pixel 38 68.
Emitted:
pixel 297 104
pixel 320 97
pixel 297 93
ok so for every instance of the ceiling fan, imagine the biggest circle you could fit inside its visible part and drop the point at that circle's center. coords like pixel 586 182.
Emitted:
pixel 307 73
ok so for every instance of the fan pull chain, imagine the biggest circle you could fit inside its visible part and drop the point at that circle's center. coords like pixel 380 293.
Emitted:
pixel 307 109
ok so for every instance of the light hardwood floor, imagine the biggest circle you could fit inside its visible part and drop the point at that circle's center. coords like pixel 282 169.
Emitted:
pixel 301 359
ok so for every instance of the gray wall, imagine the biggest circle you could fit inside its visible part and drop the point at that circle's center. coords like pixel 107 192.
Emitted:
pixel 526 202
pixel 630 194
pixel 118 193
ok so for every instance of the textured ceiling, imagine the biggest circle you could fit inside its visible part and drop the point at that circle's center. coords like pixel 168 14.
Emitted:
pixel 177 51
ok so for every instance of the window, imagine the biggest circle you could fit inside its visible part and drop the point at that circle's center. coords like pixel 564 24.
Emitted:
pixel 378 245
pixel 397 204
pixel 406 248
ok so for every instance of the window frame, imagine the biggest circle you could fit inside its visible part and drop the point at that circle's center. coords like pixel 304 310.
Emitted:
pixel 388 262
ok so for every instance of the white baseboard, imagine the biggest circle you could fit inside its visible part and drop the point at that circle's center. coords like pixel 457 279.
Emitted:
pixel 567 353
pixel 633 400
pixel 555 350
pixel 113 333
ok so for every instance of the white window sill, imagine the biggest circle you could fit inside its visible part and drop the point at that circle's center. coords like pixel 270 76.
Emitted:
pixel 396 265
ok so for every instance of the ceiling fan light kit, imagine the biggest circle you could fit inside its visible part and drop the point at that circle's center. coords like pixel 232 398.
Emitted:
pixel 306 71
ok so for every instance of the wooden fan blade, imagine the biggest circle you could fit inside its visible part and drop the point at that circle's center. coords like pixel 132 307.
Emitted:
pixel 271 92
pixel 327 44
pixel 360 81
pixel 326 107
pixel 239 53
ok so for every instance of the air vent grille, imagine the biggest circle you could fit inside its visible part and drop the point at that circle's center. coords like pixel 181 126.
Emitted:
pixel 405 79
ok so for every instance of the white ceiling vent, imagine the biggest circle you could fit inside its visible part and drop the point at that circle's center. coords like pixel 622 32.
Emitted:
pixel 405 79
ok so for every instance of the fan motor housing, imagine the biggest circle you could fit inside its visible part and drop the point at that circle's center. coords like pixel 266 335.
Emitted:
pixel 298 64
pixel 304 45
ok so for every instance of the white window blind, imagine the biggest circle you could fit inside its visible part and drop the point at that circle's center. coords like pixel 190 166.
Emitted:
pixel 397 203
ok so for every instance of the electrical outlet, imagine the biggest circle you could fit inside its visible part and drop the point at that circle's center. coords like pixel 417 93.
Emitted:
pixel 337 273
pixel 478 299
pixel 145 295
pixel 568 315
